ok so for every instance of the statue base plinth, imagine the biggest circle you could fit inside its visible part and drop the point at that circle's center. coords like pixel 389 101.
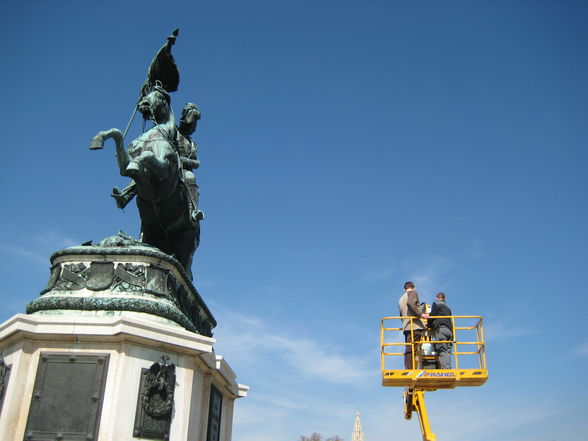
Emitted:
pixel 133 281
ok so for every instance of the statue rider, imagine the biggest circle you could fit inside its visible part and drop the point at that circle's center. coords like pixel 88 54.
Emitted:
pixel 188 151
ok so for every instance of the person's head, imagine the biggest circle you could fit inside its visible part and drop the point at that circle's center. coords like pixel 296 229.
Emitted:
pixel 408 285
pixel 190 115
pixel 440 297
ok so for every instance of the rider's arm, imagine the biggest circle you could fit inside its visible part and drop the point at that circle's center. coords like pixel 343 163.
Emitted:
pixel 190 161
pixel 189 164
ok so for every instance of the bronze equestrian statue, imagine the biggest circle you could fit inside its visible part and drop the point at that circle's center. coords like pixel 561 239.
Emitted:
pixel 160 162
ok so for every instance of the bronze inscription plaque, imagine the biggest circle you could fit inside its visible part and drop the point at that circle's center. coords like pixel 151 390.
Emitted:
pixel 67 397
pixel 214 414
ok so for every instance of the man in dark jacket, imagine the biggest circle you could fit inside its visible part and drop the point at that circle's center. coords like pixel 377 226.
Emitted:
pixel 443 328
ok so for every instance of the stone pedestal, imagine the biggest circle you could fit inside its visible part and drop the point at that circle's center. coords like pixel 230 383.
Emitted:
pixel 118 347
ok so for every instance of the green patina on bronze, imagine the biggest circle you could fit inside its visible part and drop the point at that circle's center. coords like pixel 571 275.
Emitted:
pixel 129 251
pixel 153 275
pixel 133 278
pixel 116 304
pixel 160 163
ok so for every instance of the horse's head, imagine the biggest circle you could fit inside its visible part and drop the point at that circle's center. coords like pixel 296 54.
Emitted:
pixel 155 105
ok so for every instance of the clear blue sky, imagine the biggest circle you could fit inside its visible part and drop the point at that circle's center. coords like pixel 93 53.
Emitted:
pixel 346 147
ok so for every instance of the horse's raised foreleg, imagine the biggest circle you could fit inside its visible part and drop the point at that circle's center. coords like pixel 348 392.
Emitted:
pixel 121 154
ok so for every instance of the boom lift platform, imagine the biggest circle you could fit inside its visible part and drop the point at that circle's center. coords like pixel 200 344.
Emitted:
pixel 468 363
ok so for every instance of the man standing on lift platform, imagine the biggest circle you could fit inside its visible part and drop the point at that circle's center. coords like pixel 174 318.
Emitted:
pixel 409 306
pixel 443 330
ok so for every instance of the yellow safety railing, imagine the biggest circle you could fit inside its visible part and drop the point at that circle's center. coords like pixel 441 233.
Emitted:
pixel 469 326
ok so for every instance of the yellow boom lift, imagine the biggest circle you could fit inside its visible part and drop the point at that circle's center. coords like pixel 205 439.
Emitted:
pixel 468 363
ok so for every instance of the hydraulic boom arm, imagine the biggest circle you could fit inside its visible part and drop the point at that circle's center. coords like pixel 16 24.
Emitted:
pixel 414 401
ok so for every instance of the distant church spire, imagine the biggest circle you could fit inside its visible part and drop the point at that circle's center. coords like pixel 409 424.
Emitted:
pixel 357 432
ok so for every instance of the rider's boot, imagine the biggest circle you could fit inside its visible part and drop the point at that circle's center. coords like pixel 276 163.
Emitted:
pixel 122 198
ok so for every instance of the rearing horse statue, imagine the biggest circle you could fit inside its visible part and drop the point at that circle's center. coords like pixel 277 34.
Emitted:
pixel 153 162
